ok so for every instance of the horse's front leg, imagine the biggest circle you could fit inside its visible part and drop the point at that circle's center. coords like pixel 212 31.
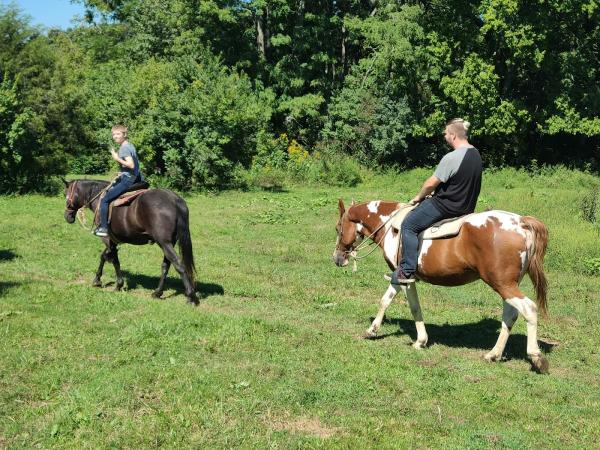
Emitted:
pixel 385 301
pixel 103 259
pixel 410 291
pixel 114 257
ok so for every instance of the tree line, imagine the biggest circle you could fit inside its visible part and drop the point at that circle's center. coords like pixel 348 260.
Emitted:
pixel 218 93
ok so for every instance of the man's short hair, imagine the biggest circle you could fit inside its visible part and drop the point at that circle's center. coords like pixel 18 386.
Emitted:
pixel 121 128
pixel 460 127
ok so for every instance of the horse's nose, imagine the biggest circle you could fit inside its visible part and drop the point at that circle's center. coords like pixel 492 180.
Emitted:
pixel 69 217
pixel 339 259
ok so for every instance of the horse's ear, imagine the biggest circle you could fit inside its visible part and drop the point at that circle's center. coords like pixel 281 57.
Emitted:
pixel 65 181
pixel 353 203
pixel 341 207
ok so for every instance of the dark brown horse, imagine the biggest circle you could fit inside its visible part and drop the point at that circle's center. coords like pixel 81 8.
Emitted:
pixel 495 246
pixel 157 215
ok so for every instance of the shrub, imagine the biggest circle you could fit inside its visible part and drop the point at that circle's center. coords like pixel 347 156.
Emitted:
pixel 590 205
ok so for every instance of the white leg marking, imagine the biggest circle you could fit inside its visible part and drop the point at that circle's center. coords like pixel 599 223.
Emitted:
pixel 415 308
pixel 528 310
pixel 509 316
pixel 385 301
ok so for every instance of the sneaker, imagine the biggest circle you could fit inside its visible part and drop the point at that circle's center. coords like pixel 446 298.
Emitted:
pixel 101 232
pixel 398 277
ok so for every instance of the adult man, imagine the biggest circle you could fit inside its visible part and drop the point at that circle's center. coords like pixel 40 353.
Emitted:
pixel 455 185
pixel 129 174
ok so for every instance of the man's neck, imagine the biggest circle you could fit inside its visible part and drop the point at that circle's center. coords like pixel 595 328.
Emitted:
pixel 460 143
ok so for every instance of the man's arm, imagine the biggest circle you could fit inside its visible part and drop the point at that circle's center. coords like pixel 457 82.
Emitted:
pixel 428 187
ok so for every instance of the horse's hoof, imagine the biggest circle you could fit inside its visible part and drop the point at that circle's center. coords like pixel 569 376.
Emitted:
pixel 491 357
pixel 539 364
pixel 419 345
pixel 369 335
pixel 97 283
pixel 192 301
pixel 157 294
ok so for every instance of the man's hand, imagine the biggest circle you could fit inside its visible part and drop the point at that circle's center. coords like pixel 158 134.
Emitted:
pixel 415 200
pixel 114 154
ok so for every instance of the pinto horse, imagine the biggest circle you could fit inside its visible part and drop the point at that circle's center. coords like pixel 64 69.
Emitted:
pixel 157 215
pixel 495 246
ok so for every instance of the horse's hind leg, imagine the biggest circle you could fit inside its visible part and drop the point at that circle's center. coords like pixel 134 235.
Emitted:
pixel 166 264
pixel 385 301
pixel 509 316
pixel 528 309
pixel 171 255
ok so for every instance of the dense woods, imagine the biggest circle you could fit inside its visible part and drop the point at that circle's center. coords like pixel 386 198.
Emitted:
pixel 227 93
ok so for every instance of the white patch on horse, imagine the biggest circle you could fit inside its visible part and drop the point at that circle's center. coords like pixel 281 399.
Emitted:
pixel 508 221
pixel 390 243
pixel 424 249
pixel 359 227
pixel 373 206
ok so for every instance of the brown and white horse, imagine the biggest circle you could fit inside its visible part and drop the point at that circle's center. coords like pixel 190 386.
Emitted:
pixel 497 247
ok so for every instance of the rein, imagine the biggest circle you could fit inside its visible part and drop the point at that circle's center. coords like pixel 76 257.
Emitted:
pixel 354 252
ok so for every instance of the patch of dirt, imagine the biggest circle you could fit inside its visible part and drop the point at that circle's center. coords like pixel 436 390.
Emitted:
pixel 303 425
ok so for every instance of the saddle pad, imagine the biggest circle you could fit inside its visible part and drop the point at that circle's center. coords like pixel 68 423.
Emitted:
pixel 441 229
pixel 124 200
pixel 128 197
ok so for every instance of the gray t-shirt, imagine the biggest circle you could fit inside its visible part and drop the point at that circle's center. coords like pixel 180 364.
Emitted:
pixel 127 149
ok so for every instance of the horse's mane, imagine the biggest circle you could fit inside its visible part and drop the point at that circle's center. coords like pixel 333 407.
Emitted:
pixel 91 187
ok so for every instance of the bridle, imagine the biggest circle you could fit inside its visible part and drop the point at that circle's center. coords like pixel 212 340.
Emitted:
pixel 80 212
pixel 355 247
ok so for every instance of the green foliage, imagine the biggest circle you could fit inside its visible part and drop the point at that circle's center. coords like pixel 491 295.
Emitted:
pixel 590 206
pixel 592 266
pixel 203 84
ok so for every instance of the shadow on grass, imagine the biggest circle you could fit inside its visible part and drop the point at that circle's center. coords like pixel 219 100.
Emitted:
pixel 480 335
pixel 6 285
pixel 7 255
pixel 175 283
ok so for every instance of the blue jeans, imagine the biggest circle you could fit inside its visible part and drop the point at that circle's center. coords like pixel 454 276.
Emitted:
pixel 419 219
pixel 123 183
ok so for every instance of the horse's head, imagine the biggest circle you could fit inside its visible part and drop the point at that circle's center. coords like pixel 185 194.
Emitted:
pixel 73 200
pixel 348 236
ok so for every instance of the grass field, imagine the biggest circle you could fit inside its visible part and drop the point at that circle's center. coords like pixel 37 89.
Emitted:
pixel 272 357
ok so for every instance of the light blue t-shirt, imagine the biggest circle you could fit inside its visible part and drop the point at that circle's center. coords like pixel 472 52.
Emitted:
pixel 127 149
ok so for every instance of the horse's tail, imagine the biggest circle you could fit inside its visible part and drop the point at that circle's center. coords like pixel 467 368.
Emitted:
pixel 185 240
pixel 536 260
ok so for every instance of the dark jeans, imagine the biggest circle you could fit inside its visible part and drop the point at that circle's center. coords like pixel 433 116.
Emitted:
pixel 419 219
pixel 123 183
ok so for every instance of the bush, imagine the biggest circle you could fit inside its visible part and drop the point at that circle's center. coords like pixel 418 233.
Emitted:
pixel 591 266
pixel 590 205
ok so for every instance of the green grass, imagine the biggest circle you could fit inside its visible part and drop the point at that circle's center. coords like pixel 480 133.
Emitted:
pixel 273 357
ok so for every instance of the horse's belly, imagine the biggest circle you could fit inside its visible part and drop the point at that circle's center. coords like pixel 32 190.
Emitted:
pixel 442 262
pixel 444 279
